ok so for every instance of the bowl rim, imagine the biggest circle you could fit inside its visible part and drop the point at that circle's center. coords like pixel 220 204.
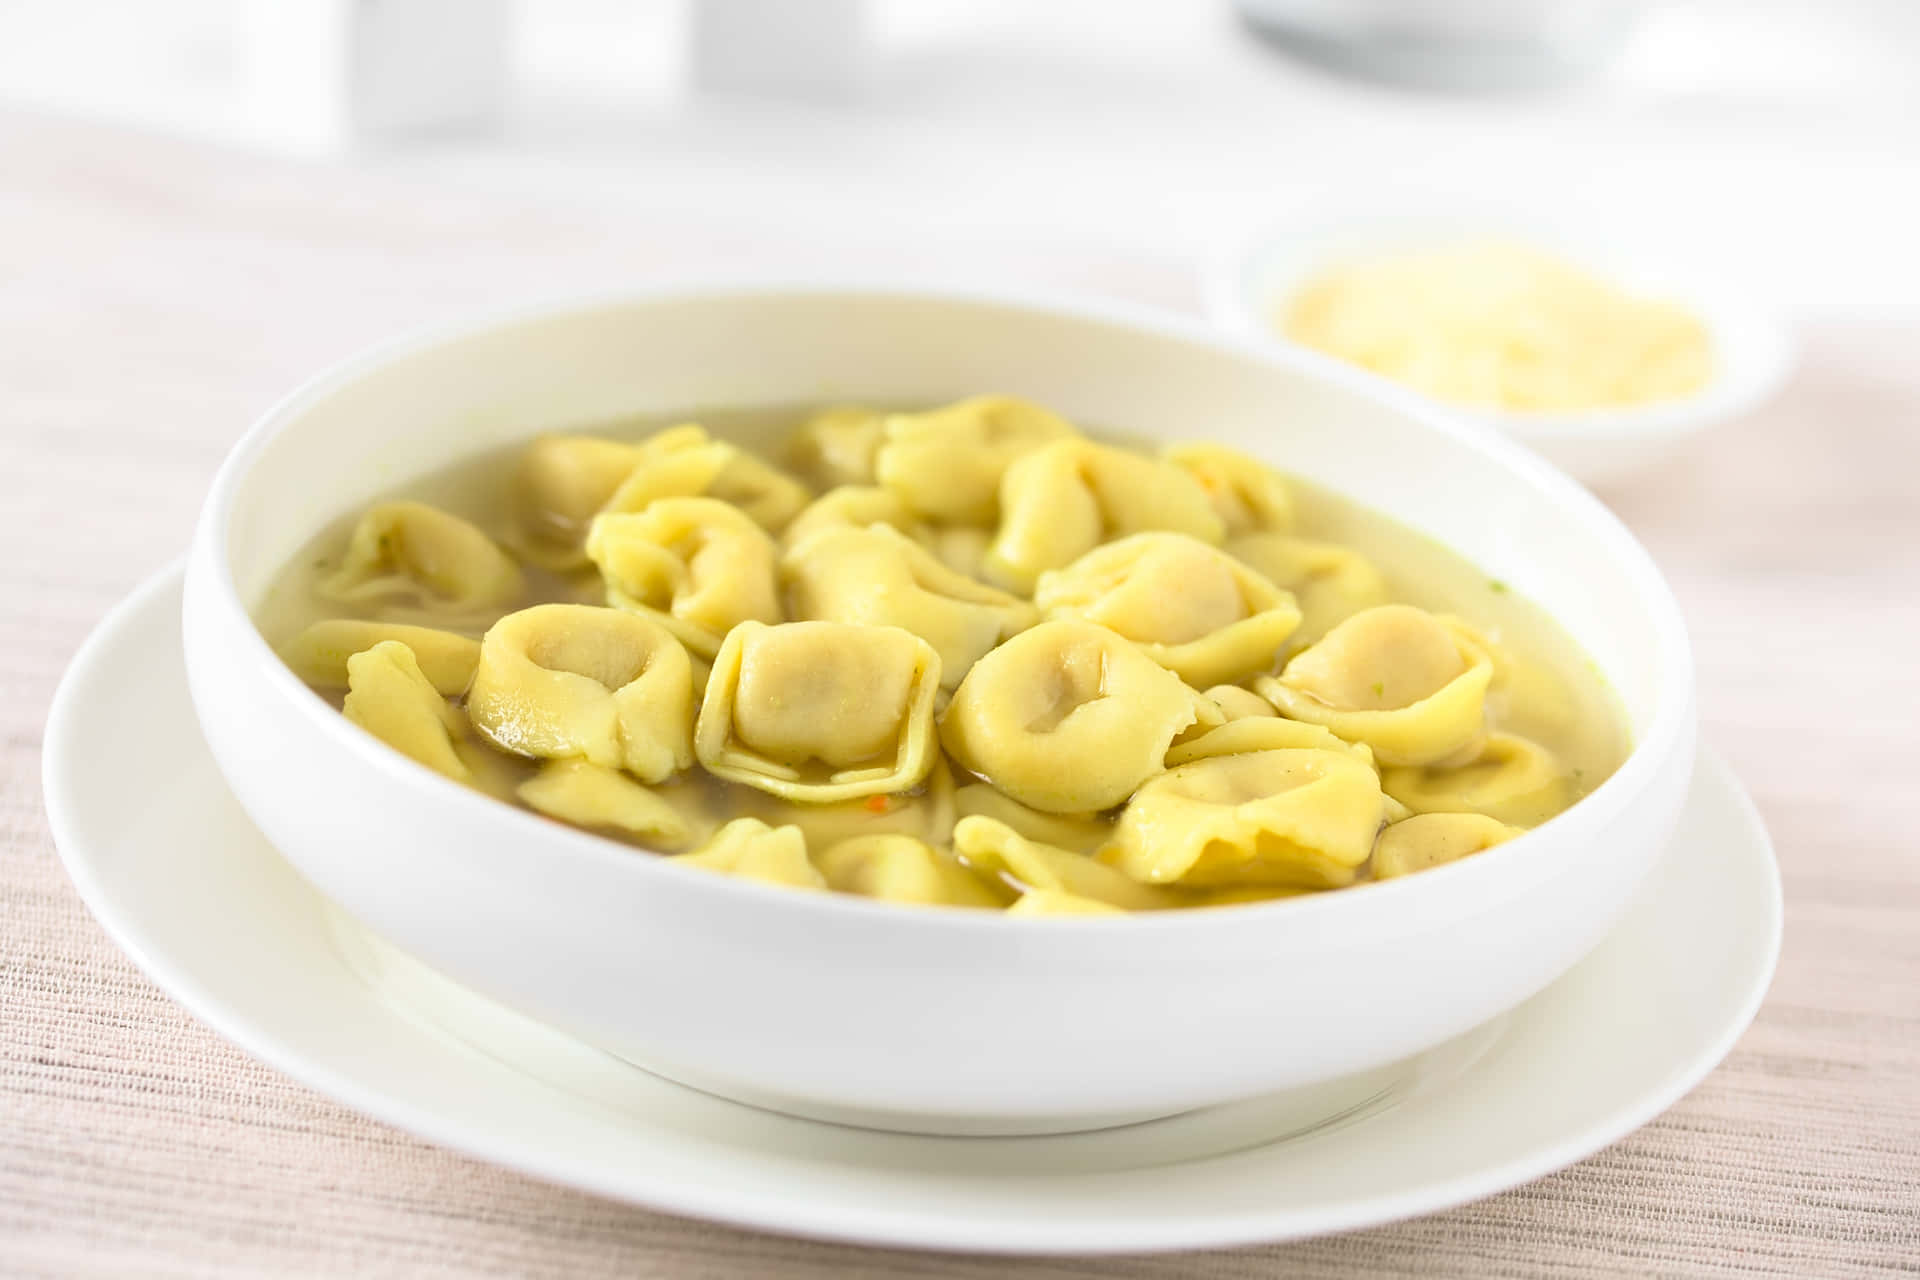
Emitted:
pixel 1483 877
pixel 1233 297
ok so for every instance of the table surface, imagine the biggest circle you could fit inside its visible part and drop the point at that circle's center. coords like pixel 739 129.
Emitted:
pixel 154 296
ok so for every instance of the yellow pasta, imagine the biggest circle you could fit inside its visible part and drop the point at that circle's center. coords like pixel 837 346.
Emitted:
pixel 995 664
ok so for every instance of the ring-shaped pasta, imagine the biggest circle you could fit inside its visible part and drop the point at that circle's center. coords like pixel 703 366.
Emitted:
pixel 698 566
pixel 751 850
pixel 1190 607
pixel 1290 816
pixel 1263 733
pixel 684 462
pixel 1068 717
pixel 899 868
pixel 1078 832
pixel 1394 677
pixel 563 681
pixel 853 506
pixel 879 577
pixel 926 813
pixel 820 711
pixel 946 464
pixel 1238 703
pixel 389 697
pixel 593 796
pixel 1330 582
pixel 995 849
pixel 1513 779
pixel 409 552
pixel 318 655
pixel 1064 499
pixel 1431 839
pixel 559 483
pixel 1249 495
pixel 836 446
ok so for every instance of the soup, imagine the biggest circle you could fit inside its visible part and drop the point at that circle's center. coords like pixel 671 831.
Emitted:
pixel 971 656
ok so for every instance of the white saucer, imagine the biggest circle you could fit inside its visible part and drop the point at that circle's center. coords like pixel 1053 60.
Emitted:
pixel 172 869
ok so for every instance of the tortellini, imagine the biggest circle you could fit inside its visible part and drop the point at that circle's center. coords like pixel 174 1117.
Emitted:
pixel 594 796
pixel 1263 733
pixel 1517 781
pixel 1061 501
pixel 1249 496
pixel 560 681
pixel 853 507
pixel 965 657
pixel 1292 816
pixel 1238 703
pixel 1190 607
pixel 750 849
pixel 389 697
pixel 1080 832
pixel 878 577
pixel 1430 839
pixel 1031 866
pixel 412 553
pixel 837 446
pixel 1396 678
pixel 818 711
pixel 1068 717
pixel 561 483
pixel 697 565
pixel 1330 583
pixel 684 462
pixel 320 653
pixel 897 868
pixel 946 464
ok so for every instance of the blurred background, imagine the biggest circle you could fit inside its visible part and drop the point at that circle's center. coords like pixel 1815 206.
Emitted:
pixel 1782 134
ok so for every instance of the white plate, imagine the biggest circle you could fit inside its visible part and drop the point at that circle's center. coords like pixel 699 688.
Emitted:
pixel 1753 345
pixel 172 869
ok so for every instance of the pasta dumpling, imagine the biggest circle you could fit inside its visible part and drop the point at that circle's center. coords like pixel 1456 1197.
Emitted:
pixel 684 462
pixel 1330 582
pixel 837 446
pixel 1430 839
pixel 1068 717
pixel 1263 733
pixel 1249 496
pixel 1080 832
pixel 898 868
pixel 411 552
pixel 1513 779
pixel 750 849
pixel 818 711
pixel 878 577
pixel 560 483
pixel 1293 816
pixel 559 681
pixel 1190 607
pixel 596 797
pixel 946 464
pixel 853 506
pixel 1062 500
pixel 926 813
pixel 389 697
pixel 318 655
pixel 1237 703
pixel 696 565
pixel 1394 677
pixel 1030 866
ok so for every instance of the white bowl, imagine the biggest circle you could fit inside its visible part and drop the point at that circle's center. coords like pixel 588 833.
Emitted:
pixel 1753 346
pixel 870 1012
